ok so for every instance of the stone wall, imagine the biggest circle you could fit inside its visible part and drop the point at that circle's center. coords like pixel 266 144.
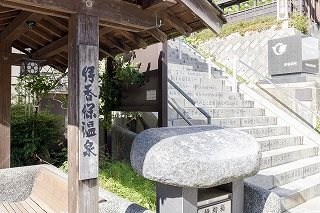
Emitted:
pixel 251 48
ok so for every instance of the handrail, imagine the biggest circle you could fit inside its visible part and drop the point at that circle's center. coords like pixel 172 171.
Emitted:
pixel 180 113
pixel 186 96
pixel 279 88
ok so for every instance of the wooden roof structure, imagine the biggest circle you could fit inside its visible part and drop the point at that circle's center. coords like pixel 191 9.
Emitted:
pixel 74 34
pixel 42 31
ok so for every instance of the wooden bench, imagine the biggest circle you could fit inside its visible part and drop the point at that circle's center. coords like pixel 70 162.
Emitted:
pixel 49 195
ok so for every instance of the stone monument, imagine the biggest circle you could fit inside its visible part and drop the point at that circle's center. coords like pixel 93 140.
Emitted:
pixel 198 169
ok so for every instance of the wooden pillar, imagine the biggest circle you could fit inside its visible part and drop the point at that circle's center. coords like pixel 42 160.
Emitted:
pixel 5 109
pixel 83 114
pixel 163 86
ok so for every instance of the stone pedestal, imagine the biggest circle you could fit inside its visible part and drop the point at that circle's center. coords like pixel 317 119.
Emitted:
pixel 198 169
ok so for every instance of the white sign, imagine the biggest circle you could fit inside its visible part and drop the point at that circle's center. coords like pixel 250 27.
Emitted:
pixel 88 113
pixel 224 207
pixel 151 95
pixel 282 10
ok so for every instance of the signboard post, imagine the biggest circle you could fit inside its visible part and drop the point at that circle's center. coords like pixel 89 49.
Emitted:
pixel 83 114
pixel 89 112
pixel 282 10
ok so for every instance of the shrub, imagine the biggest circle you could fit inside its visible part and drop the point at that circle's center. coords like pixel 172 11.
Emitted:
pixel 300 22
pixel 258 24
pixel 33 136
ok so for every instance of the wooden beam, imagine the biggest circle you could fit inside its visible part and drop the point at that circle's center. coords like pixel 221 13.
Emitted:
pixel 9 15
pixel 136 39
pixel 120 26
pixel 62 23
pixel 157 5
pixel 13 59
pixel 51 28
pixel 210 15
pixel 158 34
pixel 17 27
pixel 113 11
pixel 116 43
pixel 105 51
pixel 52 49
pixel 83 148
pixel 5 109
pixel 33 9
pixel 104 30
pixel 177 23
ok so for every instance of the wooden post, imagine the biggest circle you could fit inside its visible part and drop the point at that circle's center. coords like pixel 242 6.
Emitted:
pixel 5 108
pixel 83 114
pixel 163 86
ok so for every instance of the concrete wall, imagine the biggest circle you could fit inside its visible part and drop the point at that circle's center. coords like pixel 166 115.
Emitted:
pixel 148 55
pixel 307 94
pixel 252 48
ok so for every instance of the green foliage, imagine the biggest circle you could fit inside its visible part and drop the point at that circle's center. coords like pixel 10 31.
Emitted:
pixel 36 86
pixel 37 135
pixel 129 74
pixel 109 97
pixel 125 74
pixel 120 179
pixel 245 6
pixel 318 124
pixel 299 22
pixel 258 24
pixel 199 37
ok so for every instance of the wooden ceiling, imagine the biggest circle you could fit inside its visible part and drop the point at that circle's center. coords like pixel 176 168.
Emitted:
pixel 155 21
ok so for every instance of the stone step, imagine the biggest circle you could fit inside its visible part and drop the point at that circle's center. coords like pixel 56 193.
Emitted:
pixel 311 206
pixel 245 121
pixel 191 88
pixel 266 131
pixel 187 70
pixel 181 122
pixel 173 93
pixel 203 76
pixel 205 103
pixel 225 112
pixel 286 173
pixel 197 66
pixel 285 155
pixel 185 81
pixel 298 192
pixel 279 141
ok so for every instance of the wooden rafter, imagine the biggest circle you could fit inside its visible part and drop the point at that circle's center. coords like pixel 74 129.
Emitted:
pixel 113 11
pixel 61 23
pixel 158 34
pixel 52 49
pixel 52 29
pixel 177 23
pixel 136 39
pixel 106 50
pixel 11 58
pixel 9 15
pixel 116 43
pixel 17 27
pixel 206 12
pixel 158 5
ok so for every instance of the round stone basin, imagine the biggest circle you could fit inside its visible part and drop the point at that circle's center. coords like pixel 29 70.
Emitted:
pixel 197 156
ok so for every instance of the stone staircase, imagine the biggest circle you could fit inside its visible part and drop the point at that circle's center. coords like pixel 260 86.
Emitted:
pixel 290 165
